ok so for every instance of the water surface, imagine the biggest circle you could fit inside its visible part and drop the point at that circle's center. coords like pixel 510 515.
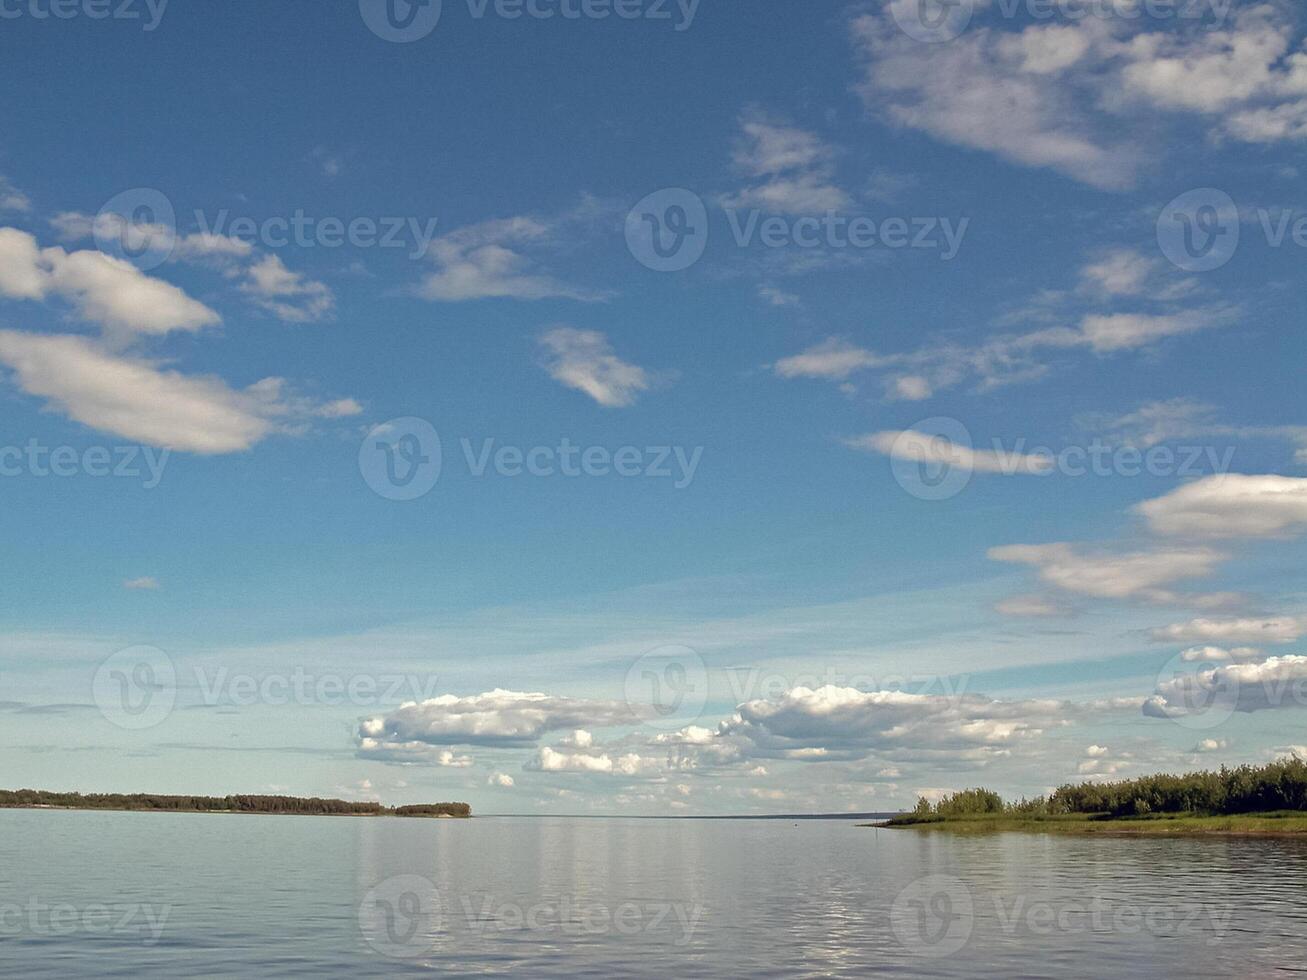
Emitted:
pixel 167 895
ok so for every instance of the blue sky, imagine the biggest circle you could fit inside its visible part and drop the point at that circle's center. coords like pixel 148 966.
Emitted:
pixel 919 405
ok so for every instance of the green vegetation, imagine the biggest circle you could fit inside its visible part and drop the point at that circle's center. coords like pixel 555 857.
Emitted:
pixel 313 806
pixel 1265 799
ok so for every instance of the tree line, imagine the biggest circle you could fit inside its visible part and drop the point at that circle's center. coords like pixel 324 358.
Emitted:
pixel 1280 785
pixel 243 803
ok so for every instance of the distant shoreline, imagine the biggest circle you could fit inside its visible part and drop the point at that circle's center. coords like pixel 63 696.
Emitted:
pixel 1277 824
pixel 243 804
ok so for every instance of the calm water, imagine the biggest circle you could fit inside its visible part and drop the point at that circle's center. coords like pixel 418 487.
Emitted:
pixel 107 894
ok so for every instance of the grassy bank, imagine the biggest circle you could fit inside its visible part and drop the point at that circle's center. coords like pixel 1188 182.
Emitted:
pixel 1270 799
pixel 1287 822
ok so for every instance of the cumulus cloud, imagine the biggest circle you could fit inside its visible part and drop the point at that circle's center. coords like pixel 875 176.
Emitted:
pixel 834 723
pixel 1251 631
pixel 1130 575
pixel 1086 99
pixel 104 290
pixel 1279 682
pixel 795 168
pixel 924 447
pixel 584 360
pixel 11 198
pixel 146 583
pixel 1215 654
pixel 498 717
pixel 139 400
pixel 551 760
pixel 1186 418
pixel 1010 358
pixel 501 779
pixel 488 261
pixel 1232 505
pixel 288 295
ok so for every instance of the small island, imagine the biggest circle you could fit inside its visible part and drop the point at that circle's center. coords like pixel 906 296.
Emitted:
pixel 282 805
pixel 1269 799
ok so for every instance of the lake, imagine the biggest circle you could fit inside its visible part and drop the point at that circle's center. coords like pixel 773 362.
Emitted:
pixel 144 894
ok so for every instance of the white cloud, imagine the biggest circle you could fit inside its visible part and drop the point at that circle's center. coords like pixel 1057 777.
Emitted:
pixel 1214 654
pixel 496 717
pixel 1233 505
pixel 832 359
pixel 486 261
pixel 286 294
pixel 144 583
pixel 1089 99
pixel 1133 575
pixel 777 297
pixel 138 400
pixel 550 760
pixel 1280 682
pixel 924 447
pixel 105 290
pixel 1269 629
pixel 796 166
pixel 11 198
pixel 834 723
pixel 1009 94
pixel 1029 606
pixel 584 360
pixel 501 779
pixel 1187 418
pixel 1210 745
